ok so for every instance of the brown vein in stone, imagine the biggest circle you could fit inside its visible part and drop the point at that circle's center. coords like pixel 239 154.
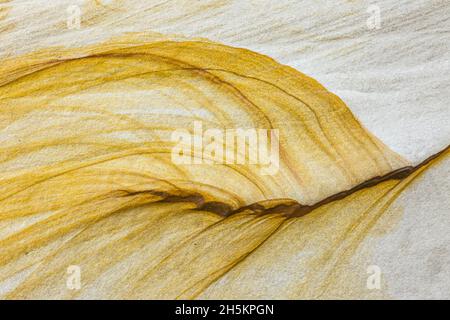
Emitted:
pixel 295 210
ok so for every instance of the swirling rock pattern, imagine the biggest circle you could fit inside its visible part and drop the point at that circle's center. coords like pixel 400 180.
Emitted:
pixel 87 177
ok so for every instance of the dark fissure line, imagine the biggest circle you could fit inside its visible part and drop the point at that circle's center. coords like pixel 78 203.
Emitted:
pixel 293 209
pixel 299 210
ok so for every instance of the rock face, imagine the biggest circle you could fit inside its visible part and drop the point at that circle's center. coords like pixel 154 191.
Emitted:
pixel 304 202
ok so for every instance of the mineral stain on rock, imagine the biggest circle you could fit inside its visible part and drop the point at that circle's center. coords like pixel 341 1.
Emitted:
pixel 87 178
